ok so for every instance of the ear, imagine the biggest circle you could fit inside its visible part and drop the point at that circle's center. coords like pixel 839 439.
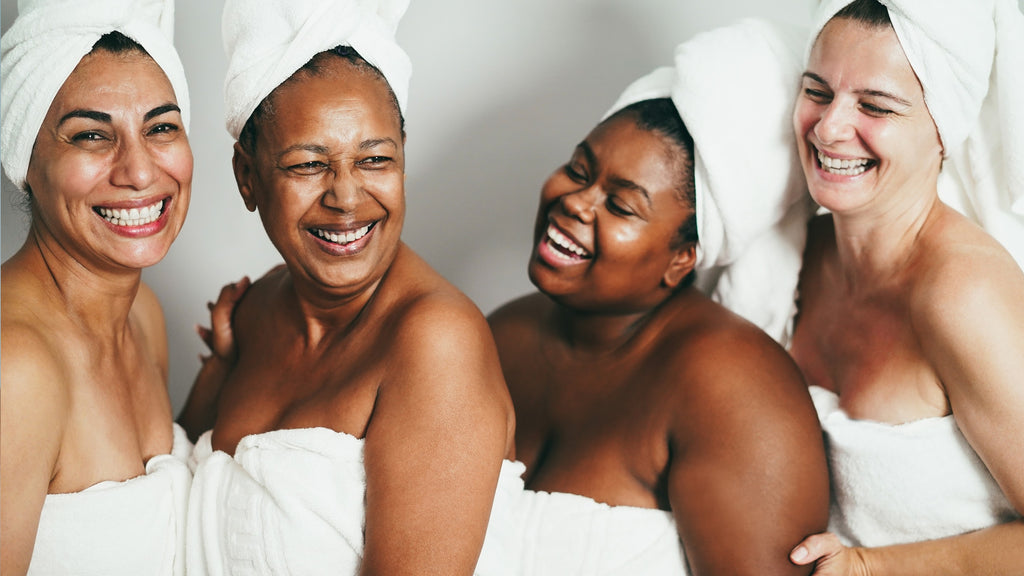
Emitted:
pixel 682 263
pixel 245 171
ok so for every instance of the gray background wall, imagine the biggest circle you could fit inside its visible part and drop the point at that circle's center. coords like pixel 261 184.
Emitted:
pixel 501 92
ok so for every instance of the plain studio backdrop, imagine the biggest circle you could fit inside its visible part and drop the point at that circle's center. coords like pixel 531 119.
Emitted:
pixel 501 93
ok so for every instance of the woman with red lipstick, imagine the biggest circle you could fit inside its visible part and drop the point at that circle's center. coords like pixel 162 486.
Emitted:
pixel 362 422
pixel 911 317
pixel 93 475
pixel 660 431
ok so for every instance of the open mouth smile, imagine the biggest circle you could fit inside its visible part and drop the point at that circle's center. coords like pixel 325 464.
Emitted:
pixel 564 245
pixel 133 216
pixel 842 166
pixel 342 238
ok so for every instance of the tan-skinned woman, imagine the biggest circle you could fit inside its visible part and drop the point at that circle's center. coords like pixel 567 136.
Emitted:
pixel 89 484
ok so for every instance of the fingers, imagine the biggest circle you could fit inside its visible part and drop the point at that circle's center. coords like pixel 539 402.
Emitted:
pixel 219 337
pixel 815 547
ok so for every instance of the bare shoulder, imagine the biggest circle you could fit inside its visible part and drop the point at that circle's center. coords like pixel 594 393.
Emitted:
pixel 519 318
pixel 725 356
pixel 150 317
pixel 964 281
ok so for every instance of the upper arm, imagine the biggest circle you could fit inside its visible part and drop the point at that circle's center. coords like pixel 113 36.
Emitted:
pixel 434 445
pixel 33 409
pixel 748 478
pixel 972 331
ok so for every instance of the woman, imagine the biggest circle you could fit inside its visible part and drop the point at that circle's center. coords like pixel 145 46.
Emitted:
pixel 911 321
pixel 363 421
pixel 659 430
pixel 94 478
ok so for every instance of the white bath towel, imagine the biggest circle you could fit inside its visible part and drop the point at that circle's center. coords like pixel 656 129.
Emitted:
pixel 751 197
pixel 266 41
pixel 292 502
pixel 969 57
pixel 113 528
pixel 568 535
pixel 46 43
pixel 904 483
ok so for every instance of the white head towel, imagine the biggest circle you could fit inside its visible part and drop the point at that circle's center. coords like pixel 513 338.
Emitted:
pixel 266 41
pixel 734 88
pixel 969 58
pixel 46 42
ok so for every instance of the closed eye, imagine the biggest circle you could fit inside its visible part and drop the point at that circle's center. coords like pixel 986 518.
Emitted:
pixel 575 174
pixel 875 110
pixel 310 168
pixel 619 209
pixel 817 95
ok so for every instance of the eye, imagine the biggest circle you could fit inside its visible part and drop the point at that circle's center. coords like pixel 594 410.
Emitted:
pixel 88 136
pixel 815 95
pixel 164 128
pixel 875 110
pixel 311 168
pixel 617 207
pixel 374 162
pixel 575 172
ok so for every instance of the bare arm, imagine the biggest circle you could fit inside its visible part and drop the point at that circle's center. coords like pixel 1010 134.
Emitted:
pixel 748 478
pixel 434 446
pixel 200 411
pixel 33 411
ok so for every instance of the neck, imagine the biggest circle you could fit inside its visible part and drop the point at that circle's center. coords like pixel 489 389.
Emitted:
pixel 588 333
pixel 96 298
pixel 873 247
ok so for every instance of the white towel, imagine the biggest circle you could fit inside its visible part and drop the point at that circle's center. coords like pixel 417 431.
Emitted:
pixel 292 502
pixel 266 41
pixel 114 528
pixel 46 43
pixel 562 534
pixel 893 484
pixel 750 188
pixel 969 57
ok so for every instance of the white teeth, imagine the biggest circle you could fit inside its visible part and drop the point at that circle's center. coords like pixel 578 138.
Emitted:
pixel 842 167
pixel 564 241
pixel 343 238
pixel 134 216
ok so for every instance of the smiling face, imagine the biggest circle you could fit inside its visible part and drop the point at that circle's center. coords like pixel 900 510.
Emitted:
pixel 608 221
pixel 327 175
pixel 111 170
pixel 866 139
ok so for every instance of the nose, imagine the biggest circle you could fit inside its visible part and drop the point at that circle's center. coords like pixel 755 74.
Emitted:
pixel 343 190
pixel 835 123
pixel 134 165
pixel 581 203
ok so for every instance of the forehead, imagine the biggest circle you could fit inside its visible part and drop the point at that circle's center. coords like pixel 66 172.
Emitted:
pixel 110 83
pixel 851 54
pixel 341 98
pixel 646 157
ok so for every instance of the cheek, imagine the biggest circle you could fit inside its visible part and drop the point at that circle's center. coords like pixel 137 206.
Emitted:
pixel 804 117
pixel 177 163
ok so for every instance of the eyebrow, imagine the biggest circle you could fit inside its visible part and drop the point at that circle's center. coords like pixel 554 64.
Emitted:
pixel 367 144
pixel 160 110
pixel 106 118
pixel 617 181
pixel 865 91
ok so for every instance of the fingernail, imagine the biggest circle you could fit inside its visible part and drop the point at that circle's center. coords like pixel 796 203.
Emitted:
pixel 799 554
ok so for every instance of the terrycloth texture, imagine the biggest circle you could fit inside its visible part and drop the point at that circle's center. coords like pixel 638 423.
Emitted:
pixel 292 502
pixel 904 483
pixel 131 528
pixel 46 43
pixel 266 41
pixel 969 57
pixel 568 535
pixel 751 196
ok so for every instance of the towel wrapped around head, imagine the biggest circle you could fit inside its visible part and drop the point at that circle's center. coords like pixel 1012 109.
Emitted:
pixel 45 44
pixel 266 41
pixel 969 57
pixel 734 88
